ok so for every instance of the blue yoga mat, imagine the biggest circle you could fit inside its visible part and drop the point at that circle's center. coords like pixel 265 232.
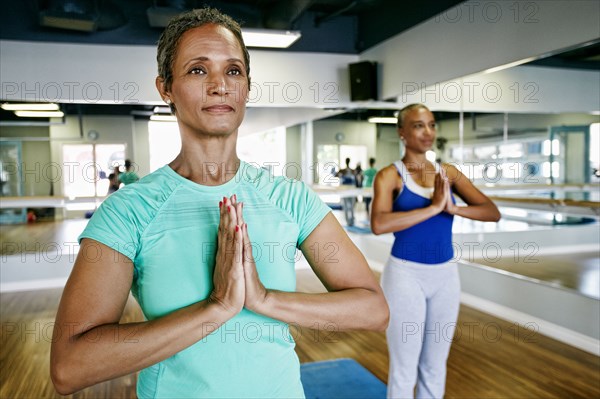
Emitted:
pixel 359 230
pixel 340 378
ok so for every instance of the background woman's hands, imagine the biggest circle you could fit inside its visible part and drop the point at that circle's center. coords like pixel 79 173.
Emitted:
pixel 442 197
pixel 441 192
pixel 236 279
pixel 450 206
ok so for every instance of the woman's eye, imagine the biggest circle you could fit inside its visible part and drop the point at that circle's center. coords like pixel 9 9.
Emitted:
pixel 235 71
pixel 196 71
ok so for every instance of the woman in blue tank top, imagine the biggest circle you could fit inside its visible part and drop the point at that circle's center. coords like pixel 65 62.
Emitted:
pixel 413 199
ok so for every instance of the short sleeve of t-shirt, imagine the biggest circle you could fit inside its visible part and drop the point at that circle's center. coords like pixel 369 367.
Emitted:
pixel 112 225
pixel 307 208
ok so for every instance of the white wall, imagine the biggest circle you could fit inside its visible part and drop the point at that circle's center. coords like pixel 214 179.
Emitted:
pixel 293 149
pixel 356 133
pixel 388 146
pixel 478 35
pixel 523 89
pixel 260 119
pixel 35 157
pixel 76 73
pixel 141 146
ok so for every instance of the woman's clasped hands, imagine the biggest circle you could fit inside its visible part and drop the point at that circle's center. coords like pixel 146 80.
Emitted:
pixel 236 281
pixel 442 198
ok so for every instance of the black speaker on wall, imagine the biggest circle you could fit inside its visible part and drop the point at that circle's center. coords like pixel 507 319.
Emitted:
pixel 363 81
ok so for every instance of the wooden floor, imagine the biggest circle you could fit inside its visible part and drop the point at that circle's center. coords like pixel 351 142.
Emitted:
pixel 41 236
pixel 490 358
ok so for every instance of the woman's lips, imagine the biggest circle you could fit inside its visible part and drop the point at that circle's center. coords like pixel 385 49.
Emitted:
pixel 218 108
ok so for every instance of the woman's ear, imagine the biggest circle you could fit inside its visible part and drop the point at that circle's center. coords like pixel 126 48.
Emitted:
pixel 164 93
pixel 400 132
pixel 162 90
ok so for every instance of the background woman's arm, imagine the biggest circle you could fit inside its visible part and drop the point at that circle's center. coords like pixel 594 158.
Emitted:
pixel 479 206
pixel 384 219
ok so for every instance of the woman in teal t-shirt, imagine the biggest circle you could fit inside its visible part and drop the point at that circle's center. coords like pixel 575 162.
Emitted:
pixel 129 176
pixel 369 175
pixel 207 245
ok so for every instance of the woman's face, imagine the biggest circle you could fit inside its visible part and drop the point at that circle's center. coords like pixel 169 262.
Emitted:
pixel 210 86
pixel 418 130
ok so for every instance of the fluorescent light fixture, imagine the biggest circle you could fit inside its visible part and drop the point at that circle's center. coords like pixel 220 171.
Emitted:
pixel 40 114
pixel 510 65
pixel 162 110
pixel 383 119
pixel 163 118
pixel 29 107
pixel 269 37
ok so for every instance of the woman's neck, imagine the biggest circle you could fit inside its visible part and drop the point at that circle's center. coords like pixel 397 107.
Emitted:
pixel 416 160
pixel 207 160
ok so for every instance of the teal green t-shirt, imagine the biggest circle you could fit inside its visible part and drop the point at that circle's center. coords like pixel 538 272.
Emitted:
pixel 128 177
pixel 369 176
pixel 167 225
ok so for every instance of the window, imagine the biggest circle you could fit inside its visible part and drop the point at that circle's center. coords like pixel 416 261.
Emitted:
pixel 555 147
pixel 511 150
pixel 328 163
pixel 87 166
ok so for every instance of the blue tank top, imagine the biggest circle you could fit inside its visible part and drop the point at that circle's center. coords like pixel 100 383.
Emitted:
pixel 430 241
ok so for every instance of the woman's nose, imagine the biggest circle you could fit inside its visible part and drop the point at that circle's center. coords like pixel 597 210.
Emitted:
pixel 217 86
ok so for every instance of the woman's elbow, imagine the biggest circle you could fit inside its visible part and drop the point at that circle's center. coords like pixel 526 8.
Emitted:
pixel 375 230
pixel 385 317
pixel 65 374
pixel 380 317
pixel 496 215
pixel 376 227
pixel 61 379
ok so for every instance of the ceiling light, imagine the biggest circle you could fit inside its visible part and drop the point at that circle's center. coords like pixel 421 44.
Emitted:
pixel 163 118
pixel 29 107
pixel 40 114
pixel 383 119
pixel 269 37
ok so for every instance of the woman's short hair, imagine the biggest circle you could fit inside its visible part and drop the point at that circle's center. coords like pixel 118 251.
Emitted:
pixel 169 39
pixel 402 113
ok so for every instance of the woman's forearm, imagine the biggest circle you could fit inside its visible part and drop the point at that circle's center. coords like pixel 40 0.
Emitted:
pixel 487 212
pixel 389 222
pixel 353 308
pixel 113 350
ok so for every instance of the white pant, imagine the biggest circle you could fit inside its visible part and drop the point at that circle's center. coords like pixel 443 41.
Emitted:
pixel 424 302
